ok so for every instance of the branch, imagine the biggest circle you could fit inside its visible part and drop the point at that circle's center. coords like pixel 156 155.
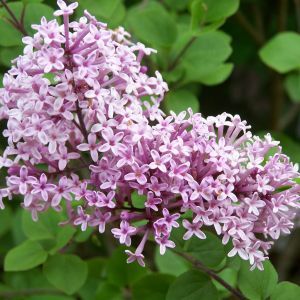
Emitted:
pixel 289 117
pixel 249 28
pixel 282 14
pixel 297 9
pixel 277 84
pixel 23 15
pixel 258 17
pixel 29 292
pixel 199 265
pixel 277 98
pixel 181 53
pixel 16 22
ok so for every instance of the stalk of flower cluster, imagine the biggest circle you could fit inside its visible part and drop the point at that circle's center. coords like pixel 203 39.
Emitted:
pixel 96 135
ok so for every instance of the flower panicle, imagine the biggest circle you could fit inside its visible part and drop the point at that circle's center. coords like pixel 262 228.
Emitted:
pixel 84 125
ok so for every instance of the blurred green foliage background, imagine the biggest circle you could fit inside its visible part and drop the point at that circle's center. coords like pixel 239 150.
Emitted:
pixel 242 57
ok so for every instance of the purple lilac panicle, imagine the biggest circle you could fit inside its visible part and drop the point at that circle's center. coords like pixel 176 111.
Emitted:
pixel 90 129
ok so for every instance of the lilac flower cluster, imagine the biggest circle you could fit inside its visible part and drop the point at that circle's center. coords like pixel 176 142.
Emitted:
pixel 85 132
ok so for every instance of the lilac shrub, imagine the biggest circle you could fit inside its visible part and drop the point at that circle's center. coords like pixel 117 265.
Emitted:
pixel 85 132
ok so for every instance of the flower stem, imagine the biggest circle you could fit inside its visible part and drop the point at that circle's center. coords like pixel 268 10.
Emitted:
pixel 18 25
pixel 199 265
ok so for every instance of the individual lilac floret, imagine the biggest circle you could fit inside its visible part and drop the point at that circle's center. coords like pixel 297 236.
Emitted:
pixel 95 136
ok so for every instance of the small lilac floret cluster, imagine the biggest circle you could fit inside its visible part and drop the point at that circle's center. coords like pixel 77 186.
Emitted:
pixel 85 133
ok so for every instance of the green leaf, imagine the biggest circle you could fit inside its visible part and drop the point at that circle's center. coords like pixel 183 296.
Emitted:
pixel 198 13
pixel 66 272
pixel 119 272
pixel 9 36
pixel 25 256
pixel 33 278
pixel 180 100
pixel 230 276
pixel 219 75
pixel 109 291
pixel 192 285
pixel 33 14
pixel 32 1
pixel 286 291
pixel 83 236
pixel 170 263
pixel 153 286
pixel 50 77
pixel 138 201
pixel 44 228
pixel 16 7
pixel 289 146
pixel 217 10
pixel 292 86
pixel 96 270
pixel 257 284
pixel 50 297
pixel 210 251
pixel 110 11
pixel 47 228
pixel 204 60
pixel 28 280
pixel 5 220
pixel 17 229
pixel 177 237
pixel 282 52
pixel 152 24
pixel 1 80
pixel 177 4
pixel 8 54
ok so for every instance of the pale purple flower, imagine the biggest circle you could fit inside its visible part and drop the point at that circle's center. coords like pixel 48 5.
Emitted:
pixel 262 184
pixel 225 192
pixel 168 219
pixel 91 146
pixel 64 8
pixel 51 59
pixel 112 141
pixel 42 187
pixel 178 170
pixel 63 157
pixel 107 200
pixel 152 202
pixel 62 191
pixel 100 219
pixel 82 218
pixel 164 243
pixel 124 233
pixel 138 173
pixel 3 194
pixel 159 161
pixel 254 204
pixel 22 181
pixel 155 186
pixel 193 229
pixel 239 248
pixel 139 257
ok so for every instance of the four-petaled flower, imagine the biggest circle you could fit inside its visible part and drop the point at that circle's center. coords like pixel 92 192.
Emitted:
pixel 42 187
pixel 138 173
pixel 91 146
pixel 64 8
pixel 124 233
